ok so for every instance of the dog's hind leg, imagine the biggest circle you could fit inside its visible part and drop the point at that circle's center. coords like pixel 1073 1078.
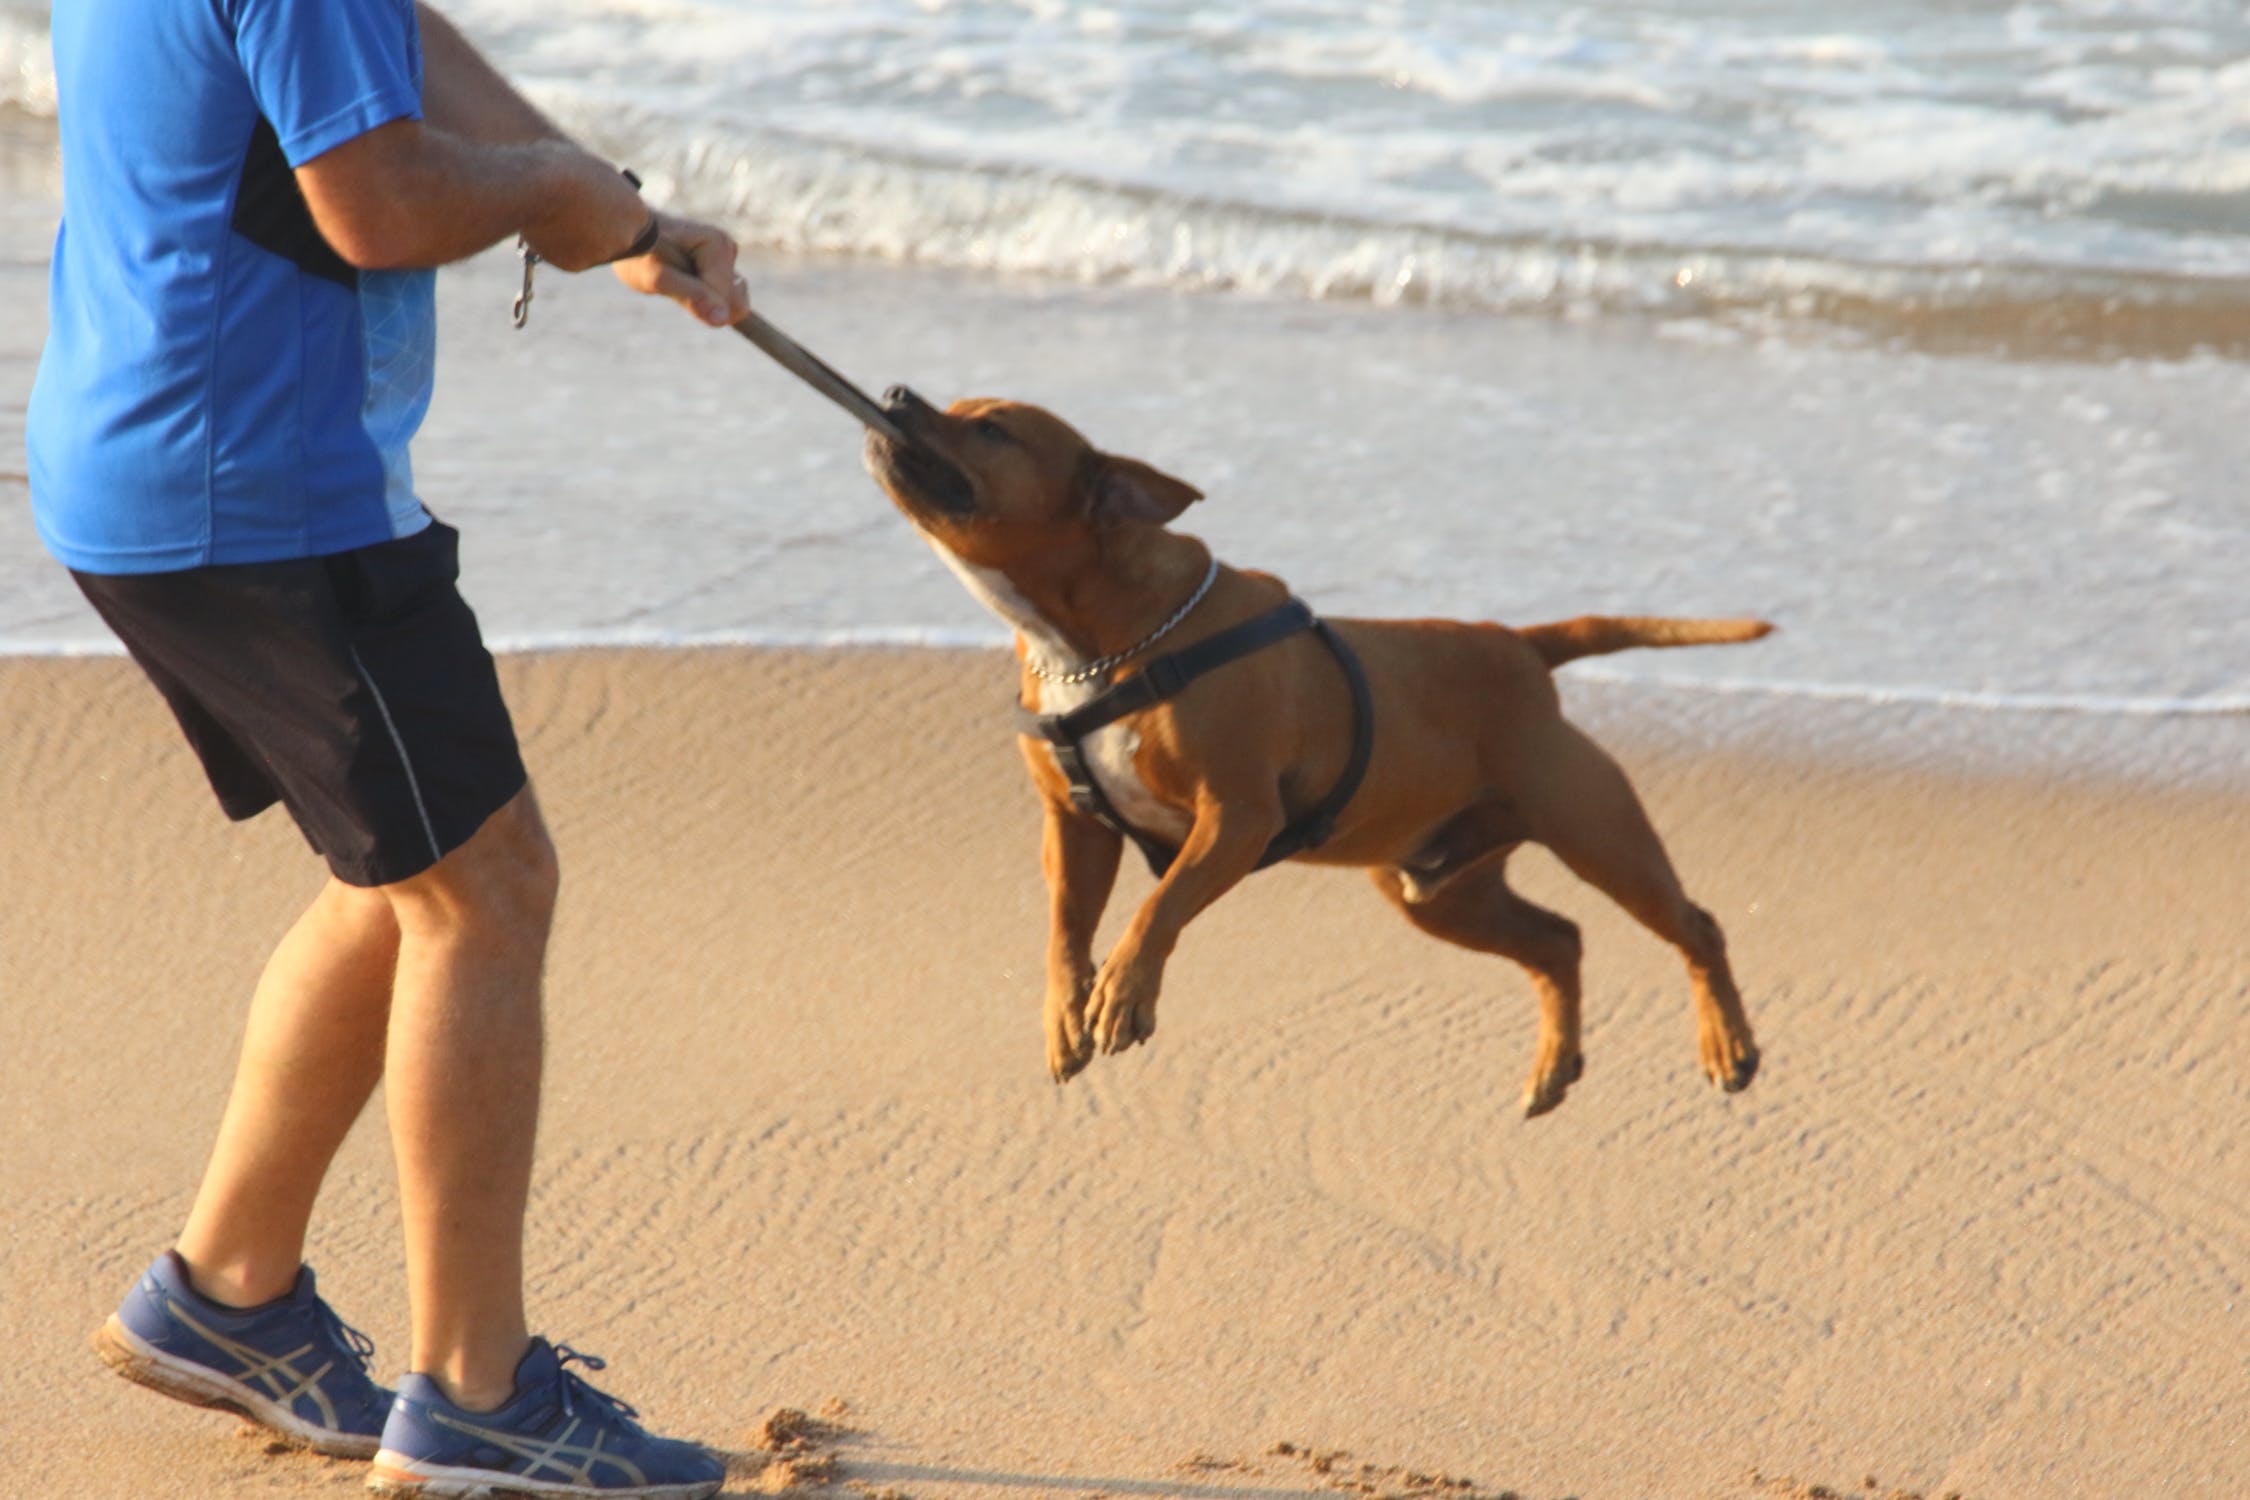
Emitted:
pixel 1474 908
pixel 1586 812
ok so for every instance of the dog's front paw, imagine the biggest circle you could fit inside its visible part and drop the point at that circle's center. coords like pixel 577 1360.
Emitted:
pixel 1730 1056
pixel 1551 1078
pixel 1122 1009
pixel 1070 1045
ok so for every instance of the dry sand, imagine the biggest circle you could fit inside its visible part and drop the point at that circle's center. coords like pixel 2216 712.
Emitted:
pixel 1982 1227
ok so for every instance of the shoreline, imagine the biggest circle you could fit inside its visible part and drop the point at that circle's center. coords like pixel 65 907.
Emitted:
pixel 996 638
pixel 1976 1227
pixel 2194 750
pixel 732 512
pixel 1901 529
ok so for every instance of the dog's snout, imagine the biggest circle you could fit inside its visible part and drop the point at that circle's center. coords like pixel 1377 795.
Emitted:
pixel 914 459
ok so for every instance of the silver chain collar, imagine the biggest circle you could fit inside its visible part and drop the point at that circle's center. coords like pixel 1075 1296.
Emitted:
pixel 1102 664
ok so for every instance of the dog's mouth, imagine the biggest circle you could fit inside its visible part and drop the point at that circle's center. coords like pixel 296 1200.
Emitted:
pixel 915 471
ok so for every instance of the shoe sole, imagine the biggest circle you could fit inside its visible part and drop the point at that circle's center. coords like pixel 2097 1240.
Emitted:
pixel 406 1479
pixel 144 1364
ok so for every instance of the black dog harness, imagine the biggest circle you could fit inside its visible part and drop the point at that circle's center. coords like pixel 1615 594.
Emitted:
pixel 1164 677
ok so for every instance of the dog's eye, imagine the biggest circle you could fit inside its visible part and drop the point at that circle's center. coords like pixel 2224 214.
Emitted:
pixel 992 431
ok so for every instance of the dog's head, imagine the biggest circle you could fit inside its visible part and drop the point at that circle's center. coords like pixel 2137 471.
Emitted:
pixel 996 481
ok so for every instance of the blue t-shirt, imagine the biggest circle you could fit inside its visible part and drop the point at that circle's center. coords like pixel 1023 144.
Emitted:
pixel 218 385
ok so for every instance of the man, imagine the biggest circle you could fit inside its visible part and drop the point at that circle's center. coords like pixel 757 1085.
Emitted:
pixel 240 349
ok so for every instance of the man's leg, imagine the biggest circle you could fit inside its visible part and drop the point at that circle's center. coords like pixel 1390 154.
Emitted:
pixel 464 1060
pixel 483 1404
pixel 230 1319
pixel 311 1055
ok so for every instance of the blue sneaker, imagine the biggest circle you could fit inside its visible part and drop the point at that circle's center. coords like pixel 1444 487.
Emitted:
pixel 290 1364
pixel 556 1436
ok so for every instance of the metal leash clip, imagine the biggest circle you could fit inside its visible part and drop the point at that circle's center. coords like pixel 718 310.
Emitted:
pixel 523 298
pixel 531 258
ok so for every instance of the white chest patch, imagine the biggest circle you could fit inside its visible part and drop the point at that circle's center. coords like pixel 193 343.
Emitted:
pixel 1109 753
pixel 1110 750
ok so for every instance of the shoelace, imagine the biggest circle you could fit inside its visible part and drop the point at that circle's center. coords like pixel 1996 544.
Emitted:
pixel 575 1385
pixel 360 1346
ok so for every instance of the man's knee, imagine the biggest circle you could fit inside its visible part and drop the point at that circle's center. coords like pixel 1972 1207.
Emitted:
pixel 505 876
pixel 352 914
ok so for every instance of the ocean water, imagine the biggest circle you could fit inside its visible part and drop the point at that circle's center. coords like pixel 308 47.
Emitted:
pixel 1922 327
pixel 1908 157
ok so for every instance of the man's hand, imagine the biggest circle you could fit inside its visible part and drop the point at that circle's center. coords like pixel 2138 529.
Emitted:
pixel 693 264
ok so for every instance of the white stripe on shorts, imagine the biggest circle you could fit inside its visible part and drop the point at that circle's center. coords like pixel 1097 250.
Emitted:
pixel 412 784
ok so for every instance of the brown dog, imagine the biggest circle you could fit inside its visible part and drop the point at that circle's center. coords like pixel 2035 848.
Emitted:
pixel 1470 755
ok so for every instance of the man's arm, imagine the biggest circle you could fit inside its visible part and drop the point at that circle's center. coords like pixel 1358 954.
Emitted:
pixel 409 194
pixel 484 164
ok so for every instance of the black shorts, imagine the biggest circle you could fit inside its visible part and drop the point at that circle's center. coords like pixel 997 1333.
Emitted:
pixel 353 688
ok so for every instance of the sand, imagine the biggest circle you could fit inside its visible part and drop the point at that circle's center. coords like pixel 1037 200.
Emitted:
pixel 1981 1228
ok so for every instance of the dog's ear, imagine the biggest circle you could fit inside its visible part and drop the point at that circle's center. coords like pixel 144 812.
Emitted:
pixel 1125 489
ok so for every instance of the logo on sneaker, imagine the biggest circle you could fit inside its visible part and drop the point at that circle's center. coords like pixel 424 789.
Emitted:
pixel 276 1374
pixel 556 1458
pixel 558 1436
pixel 291 1364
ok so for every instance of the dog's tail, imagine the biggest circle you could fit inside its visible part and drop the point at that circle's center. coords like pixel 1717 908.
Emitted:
pixel 1598 635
